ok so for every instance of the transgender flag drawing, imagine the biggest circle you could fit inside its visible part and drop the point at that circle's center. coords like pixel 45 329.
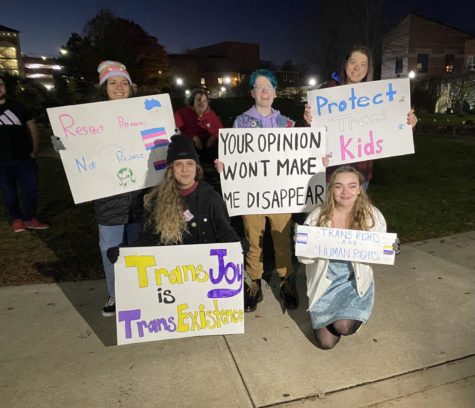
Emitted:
pixel 153 138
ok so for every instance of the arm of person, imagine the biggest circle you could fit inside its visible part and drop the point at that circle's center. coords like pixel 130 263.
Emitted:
pixel 412 118
pixel 218 165
pixel 33 129
pixel 310 220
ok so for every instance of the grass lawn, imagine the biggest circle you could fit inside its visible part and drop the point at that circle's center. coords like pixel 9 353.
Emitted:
pixel 425 195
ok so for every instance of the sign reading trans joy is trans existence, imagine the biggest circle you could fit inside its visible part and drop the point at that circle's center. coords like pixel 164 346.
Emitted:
pixel 364 121
pixel 170 292
pixel 113 147
pixel 345 244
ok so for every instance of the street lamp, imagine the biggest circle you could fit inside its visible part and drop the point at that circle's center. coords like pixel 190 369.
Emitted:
pixel 63 51
pixel 179 81
pixel 312 82
pixel 187 92
pixel 411 75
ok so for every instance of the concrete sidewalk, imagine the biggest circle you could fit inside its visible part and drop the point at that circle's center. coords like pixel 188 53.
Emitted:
pixel 417 350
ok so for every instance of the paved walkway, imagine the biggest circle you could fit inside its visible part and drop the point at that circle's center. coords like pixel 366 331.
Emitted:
pixel 417 350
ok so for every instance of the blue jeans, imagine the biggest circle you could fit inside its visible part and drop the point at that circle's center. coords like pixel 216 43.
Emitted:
pixel 22 174
pixel 112 236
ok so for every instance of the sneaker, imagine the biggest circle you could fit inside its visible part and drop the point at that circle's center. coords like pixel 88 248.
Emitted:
pixel 109 308
pixel 34 224
pixel 18 225
pixel 252 295
pixel 289 294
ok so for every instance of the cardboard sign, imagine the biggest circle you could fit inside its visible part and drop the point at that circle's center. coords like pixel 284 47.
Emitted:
pixel 272 171
pixel 170 292
pixel 345 244
pixel 113 147
pixel 364 121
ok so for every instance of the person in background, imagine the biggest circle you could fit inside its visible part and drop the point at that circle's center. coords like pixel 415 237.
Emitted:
pixel 341 293
pixel 263 84
pixel 357 68
pixel 18 169
pixel 120 216
pixel 199 122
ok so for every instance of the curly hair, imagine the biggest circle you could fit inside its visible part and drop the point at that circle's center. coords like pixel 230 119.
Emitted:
pixel 362 217
pixel 166 208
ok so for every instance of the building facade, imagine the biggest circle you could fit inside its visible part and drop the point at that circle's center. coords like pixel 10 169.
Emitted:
pixel 426 50
pixel 10 51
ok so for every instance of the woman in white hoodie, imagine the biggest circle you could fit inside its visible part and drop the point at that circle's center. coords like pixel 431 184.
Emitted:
pixel 341 293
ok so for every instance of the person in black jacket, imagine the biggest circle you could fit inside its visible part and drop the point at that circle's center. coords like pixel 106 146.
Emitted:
pixel 120 216
pixel 183 209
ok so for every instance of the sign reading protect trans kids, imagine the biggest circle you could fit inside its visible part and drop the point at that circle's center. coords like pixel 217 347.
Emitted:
pixel 364 121
pixel 113 147
pixel 170 292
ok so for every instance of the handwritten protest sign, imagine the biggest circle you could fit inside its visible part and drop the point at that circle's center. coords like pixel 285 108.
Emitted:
pixel 271 171
pixel 171 292
pixel 364 121
pixel 345 244
pixel 113 147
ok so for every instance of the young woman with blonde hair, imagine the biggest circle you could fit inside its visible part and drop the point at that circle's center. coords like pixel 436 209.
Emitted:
pixel 341 293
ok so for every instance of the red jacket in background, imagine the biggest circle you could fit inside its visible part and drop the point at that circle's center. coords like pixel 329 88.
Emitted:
pixel 190 124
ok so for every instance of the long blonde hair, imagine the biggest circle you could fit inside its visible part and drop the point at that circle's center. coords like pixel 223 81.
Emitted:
pixel 361 217
pixel 166 207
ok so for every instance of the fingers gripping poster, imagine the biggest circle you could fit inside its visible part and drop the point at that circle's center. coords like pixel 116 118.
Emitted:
pixel 113 147
pixel 364 121
pixel 170 292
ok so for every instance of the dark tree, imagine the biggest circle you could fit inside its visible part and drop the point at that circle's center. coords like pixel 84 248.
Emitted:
pixel 107 37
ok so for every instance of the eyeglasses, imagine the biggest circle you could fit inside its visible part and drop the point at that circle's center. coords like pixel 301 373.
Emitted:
pixel 261 88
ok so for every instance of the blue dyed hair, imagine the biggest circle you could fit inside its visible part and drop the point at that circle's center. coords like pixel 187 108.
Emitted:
pixel 265 73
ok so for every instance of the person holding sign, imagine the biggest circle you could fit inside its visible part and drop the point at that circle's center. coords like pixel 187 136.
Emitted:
pixel 183 209
pixel 199 121
pixel 120 216
pixel 262 84
pixel 357 68
pixel 341 293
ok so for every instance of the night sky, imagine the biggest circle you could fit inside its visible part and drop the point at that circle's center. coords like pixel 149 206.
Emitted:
pixel 185 24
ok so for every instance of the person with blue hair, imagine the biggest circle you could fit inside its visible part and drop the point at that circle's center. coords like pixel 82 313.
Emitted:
pixel 263 84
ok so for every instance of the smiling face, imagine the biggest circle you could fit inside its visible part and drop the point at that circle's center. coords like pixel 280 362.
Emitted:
pixel 263 93
pixel 118 87
pixel 346 189
pixel 356 67
pixel 200 104
pixel 184 171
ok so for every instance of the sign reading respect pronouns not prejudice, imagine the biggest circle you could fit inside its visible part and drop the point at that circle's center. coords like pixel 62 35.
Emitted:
pixel 113 147
pixel 272 170
pixel 170 292
pixel 364 121
pixel 345 244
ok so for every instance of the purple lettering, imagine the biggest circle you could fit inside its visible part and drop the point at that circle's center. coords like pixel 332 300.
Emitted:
pixel 127 316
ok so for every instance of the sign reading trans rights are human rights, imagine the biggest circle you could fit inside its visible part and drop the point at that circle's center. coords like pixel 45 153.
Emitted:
pixel 271 171
pixel 364 121
pixel 169 292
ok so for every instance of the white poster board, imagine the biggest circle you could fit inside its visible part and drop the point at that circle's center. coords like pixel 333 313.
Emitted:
pixel 171 292
pixel 364 121
pixel 113 147
pixel 345 244
pixel 272 170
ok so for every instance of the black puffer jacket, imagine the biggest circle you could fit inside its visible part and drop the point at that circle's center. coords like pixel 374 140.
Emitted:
pixel 210 222
pixel 120 209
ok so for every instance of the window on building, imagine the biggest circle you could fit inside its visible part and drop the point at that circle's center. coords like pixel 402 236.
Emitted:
pixel 471 63
pixel 398 69
pixel 422 62
pixel 202 81
pixel 449 63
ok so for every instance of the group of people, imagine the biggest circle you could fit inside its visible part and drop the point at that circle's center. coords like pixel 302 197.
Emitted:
pixel 183 209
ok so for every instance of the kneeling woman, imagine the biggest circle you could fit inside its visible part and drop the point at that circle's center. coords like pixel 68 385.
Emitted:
pixel 341 293
pixel 183 209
